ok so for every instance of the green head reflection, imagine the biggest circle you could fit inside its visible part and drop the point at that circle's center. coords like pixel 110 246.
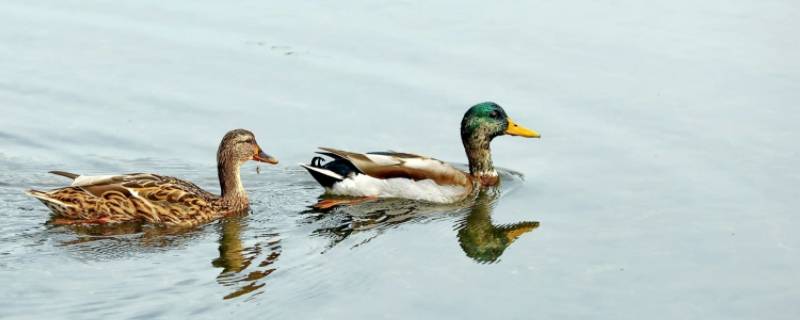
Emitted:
pixel 483 241
pixel 478 237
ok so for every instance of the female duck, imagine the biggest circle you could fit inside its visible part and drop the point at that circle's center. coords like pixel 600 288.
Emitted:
pixel 150 198
pixel 404 175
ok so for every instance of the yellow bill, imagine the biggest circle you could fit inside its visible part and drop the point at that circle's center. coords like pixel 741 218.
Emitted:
pixel 513 234
pixel 517 130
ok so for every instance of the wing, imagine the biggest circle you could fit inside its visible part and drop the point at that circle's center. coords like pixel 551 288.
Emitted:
pixel 132 184
pixel 154 198
pixel 387 165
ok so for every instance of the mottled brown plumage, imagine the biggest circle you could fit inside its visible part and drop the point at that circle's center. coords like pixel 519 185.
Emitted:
pixel 155 199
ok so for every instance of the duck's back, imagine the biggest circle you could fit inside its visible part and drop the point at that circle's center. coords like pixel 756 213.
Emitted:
pixel 131 197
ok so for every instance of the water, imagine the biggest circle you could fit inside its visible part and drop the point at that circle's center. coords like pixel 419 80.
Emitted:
pixel 665 184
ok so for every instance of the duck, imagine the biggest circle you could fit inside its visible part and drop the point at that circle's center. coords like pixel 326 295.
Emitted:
pixel 156 199
pixel 357 177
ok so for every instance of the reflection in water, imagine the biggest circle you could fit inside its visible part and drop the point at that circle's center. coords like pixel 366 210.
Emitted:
pixel 377 216
pixel 235 259
pixel 101 242
pixel 481 240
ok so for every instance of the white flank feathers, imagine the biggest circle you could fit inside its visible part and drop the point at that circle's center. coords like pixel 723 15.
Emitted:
pixel 362 185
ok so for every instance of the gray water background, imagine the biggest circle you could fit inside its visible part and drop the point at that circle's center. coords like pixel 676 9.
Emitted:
pixel 665 184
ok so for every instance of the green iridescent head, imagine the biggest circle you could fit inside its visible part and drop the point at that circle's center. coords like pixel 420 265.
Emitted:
pixel 481 124
pixel 488 120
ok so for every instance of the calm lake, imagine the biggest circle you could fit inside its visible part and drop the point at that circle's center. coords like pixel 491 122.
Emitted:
pixel 665 185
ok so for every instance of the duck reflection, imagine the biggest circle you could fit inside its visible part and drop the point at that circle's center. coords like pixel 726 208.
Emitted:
pixel 483 241
pixel 236 260
pixel 121 240
pixel 479 238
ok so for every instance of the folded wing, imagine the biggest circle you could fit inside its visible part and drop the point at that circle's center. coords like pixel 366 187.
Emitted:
pixel 387 165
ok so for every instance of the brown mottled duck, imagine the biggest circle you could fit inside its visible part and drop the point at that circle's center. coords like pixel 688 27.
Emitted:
pixel 155 199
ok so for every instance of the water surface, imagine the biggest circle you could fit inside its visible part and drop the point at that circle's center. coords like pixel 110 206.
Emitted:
pixel 665 184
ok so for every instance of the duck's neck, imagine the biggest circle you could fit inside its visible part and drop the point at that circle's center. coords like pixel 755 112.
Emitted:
pixel 479 153
pixel 230 181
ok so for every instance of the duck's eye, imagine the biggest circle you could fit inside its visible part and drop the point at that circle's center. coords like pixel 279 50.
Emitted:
pixel 495 114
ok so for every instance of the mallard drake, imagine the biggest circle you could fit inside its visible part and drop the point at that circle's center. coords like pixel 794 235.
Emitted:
pixel 410 176
pixel 155 199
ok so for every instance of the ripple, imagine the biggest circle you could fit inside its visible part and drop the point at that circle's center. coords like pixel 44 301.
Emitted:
pixel 256 257
pixel 245 268
pixel 384 214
